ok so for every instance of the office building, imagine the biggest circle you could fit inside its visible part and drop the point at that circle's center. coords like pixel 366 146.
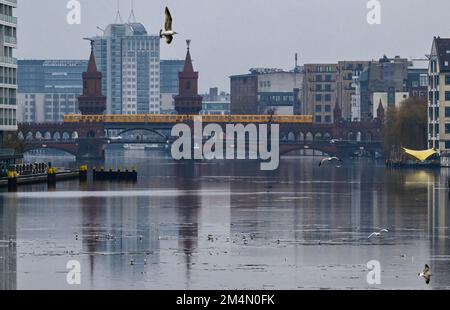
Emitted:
pixel 169 84
pixel 215 103
pixel 8 67
pixel 129 60
pixel 48 89
pixel 266 90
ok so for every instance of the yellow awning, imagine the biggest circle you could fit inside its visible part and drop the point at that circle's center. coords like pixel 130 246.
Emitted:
pixel 420 155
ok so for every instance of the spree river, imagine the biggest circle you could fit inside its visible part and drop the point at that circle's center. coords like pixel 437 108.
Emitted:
pixel 228 225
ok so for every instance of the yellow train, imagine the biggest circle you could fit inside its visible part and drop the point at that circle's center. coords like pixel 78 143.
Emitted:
pixel 169 118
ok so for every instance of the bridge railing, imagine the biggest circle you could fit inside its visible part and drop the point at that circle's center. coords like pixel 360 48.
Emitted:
pixel 172 118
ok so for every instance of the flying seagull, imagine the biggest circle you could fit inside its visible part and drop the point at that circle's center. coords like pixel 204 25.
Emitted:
pixel 426 274
pixel 167 33
pixel 377 233
pixel 329 160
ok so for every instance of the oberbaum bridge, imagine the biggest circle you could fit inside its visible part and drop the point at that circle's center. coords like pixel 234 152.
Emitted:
pixel 86 135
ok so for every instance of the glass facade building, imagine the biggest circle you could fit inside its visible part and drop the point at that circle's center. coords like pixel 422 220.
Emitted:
pixel 129 60
pixel 48 89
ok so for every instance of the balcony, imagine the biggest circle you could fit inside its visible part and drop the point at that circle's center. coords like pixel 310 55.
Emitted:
pixel 8 60
pixel 12 3
pixel 10 40
pixel 8 19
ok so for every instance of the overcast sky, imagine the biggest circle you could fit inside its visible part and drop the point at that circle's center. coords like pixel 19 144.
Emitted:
pixel 231 36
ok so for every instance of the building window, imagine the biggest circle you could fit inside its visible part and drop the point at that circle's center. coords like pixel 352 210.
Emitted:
pixel 447 128
pixel 328 98
pixel 447 96
pixel 447 145
pixel 318 108
pixel 318 97
pixel 447 112
pixel 318 119
pixel 447 80
pixel 327 108
pixel 328 119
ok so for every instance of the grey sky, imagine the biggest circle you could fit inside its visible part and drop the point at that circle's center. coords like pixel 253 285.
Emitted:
pixel 231 36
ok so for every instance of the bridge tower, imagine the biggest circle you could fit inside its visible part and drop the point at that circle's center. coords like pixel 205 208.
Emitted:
pixel 92 102
pixel 188 100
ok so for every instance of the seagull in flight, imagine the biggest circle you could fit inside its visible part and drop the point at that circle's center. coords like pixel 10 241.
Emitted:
pixel 167 33
pixel 329 160
pixel 426 274
pixel 377 234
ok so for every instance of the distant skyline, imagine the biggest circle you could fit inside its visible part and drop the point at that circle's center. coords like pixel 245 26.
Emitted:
pixel 231 36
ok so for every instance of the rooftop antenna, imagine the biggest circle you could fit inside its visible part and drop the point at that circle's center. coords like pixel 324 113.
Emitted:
pixel 118 16
pixel 132 17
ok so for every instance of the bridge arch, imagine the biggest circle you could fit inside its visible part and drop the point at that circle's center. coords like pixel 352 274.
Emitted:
pixel 65 135
pixel 291 136
pixel 143 129
pixel 351 136
pixel 47 135
pixel 29 136
pixel 57 148
pixel 56 136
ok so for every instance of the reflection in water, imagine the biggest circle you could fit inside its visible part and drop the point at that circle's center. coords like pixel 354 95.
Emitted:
pixel 228 225
pixel 8 239
pixel 187 210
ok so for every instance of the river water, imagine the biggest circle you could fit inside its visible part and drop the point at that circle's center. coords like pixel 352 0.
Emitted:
pixel 228 225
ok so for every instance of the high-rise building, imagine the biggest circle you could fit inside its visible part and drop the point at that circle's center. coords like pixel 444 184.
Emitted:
pixel 8 67
pixel 129 59
pixel 169 84
pixel 48 89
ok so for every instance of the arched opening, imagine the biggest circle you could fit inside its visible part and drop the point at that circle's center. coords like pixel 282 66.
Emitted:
pixel 291 137
pixel 29 136
pixel 318 137
pixel 309 137
pixel 327 136
pixel 65 135
pixel 301 137
pixel 351 136
pixel 20 135
pixel 74 135
pixel 368 137
pixel 283 137
pixel 38 135
pixel 359 136
pixel 47 135
pixel 91 134
pixel 57 136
